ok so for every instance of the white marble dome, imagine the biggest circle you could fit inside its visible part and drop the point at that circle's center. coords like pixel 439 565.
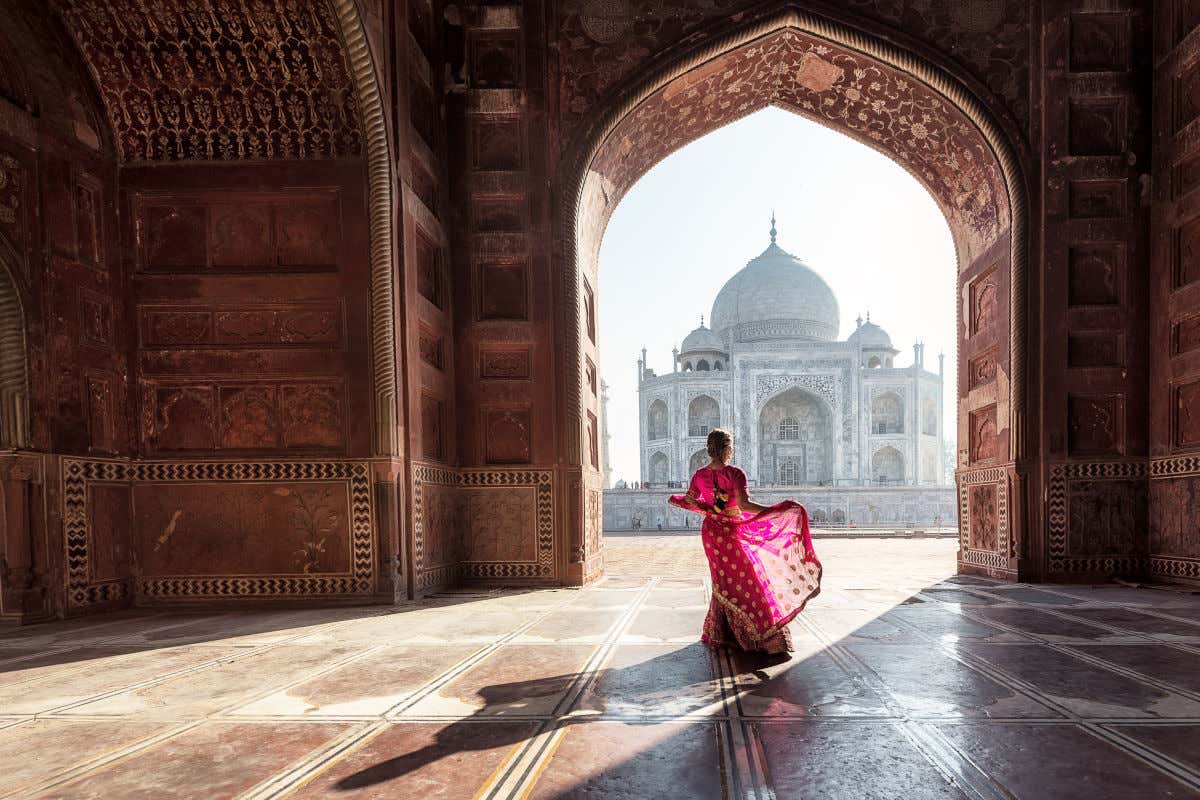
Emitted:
pixel 870 336
pixel 702 340
pixel 776 296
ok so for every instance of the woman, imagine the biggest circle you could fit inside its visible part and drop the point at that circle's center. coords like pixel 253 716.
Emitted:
pixel 761 558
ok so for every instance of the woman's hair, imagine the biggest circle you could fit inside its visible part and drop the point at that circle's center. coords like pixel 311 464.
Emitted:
pixel 719 441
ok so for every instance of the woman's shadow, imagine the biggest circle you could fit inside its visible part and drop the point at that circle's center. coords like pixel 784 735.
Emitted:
pixel 663 686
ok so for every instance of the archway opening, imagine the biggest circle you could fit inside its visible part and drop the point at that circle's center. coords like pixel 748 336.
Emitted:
pixel 925 120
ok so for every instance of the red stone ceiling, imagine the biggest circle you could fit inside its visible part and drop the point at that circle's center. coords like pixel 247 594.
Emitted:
pixel 847 91
pixel 216 80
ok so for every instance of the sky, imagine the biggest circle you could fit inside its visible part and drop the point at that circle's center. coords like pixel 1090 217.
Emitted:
pixel 859 219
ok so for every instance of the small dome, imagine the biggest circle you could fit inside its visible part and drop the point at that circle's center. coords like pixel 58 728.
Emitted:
pixel 776 296
pixel 702 340
pixel 870 336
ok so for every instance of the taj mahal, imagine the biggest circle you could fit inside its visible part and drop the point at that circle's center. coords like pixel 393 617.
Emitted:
pixel 839 424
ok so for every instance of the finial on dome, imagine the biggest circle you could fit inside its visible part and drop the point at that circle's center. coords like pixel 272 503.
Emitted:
pixel 701 320
pixel 868 316
pixel 772 226
pixel 858 321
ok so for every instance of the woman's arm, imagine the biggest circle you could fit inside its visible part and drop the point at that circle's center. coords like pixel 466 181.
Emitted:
pixel 744 501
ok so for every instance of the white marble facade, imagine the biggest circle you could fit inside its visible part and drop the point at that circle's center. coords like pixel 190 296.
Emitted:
pixel 805 408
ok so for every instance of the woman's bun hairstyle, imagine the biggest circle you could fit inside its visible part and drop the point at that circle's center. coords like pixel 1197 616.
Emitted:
pixel 719 441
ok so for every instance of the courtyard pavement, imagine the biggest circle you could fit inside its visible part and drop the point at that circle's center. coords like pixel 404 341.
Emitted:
pixel 908 682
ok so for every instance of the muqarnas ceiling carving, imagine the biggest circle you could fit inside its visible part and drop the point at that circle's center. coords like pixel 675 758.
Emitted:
pixel 218 81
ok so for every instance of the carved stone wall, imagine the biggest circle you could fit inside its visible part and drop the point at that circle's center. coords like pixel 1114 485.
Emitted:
pixel 1175 297
pixel 1096 151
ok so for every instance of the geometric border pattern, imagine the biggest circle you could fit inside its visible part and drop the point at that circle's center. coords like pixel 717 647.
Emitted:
pixel 998 559
pixel 423 474
pixel 77 473
pixel 1056 517
pixel 1175 566
pixel 541 568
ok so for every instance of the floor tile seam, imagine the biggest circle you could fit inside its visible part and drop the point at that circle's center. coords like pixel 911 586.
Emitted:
pixel 318 672
pixel 857 670
pixel 525 766
pixel 309 766
pixel 955 765
pixel 1058 612
pixel 749 765
pixel 158 679
pixel 938 758
pixel 1032 638
pixel 15 721
pixel 101 762
pixel 115 640
pixel 603 652
pixel 1162 614
pixel 1163 763
pixel 1004 678
pixel 999 626
pixel 1132 674
pixel 469 662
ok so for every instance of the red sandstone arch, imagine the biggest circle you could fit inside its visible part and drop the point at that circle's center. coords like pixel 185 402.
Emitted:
pixel 892 99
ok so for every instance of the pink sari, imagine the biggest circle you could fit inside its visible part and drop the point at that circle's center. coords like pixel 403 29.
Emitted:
pixel 763 565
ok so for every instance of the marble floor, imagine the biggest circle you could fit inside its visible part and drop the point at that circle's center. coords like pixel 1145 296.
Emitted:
pixel 908 682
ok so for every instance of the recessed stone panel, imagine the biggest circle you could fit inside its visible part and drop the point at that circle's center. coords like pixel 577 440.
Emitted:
pixel 175 237
pixel 984 302
pixel 249 417
pixel 432 437
pixel 1099 42
pixel 312 415
pixel 495 61
pixel 242 528
pixel 498 145
pixel 428 266
pixel 306 234
pixel 1095 349
pixel 181 418
pixel 504 364
pixel 110 519
pixel 95 318
pixel 500 523
pixel 507 435
pixel 1187 253
pixel 1097 199
pixel 429 345
pixel 241 235
pixel 503 292
pixel 1187 95
pixel 983 526
pixel 1186 335
pixel 1104 517
pixel 1094 274
pixel 100 397
pixel 1187 414
pixel 88 225
pixel 1097 127
pixel 983 432
pixel 498 214
pixel 1095 424
pixel 981 370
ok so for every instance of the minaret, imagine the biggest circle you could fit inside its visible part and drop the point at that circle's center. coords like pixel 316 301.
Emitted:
pixel 605 467
pixel 942 364
pixel 675 358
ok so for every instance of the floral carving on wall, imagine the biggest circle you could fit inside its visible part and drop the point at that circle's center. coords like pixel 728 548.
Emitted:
pixel 845 90
pixel 603 43
pixel 265 79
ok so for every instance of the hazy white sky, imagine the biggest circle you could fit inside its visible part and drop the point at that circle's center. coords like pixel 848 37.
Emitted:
pixel 856 217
